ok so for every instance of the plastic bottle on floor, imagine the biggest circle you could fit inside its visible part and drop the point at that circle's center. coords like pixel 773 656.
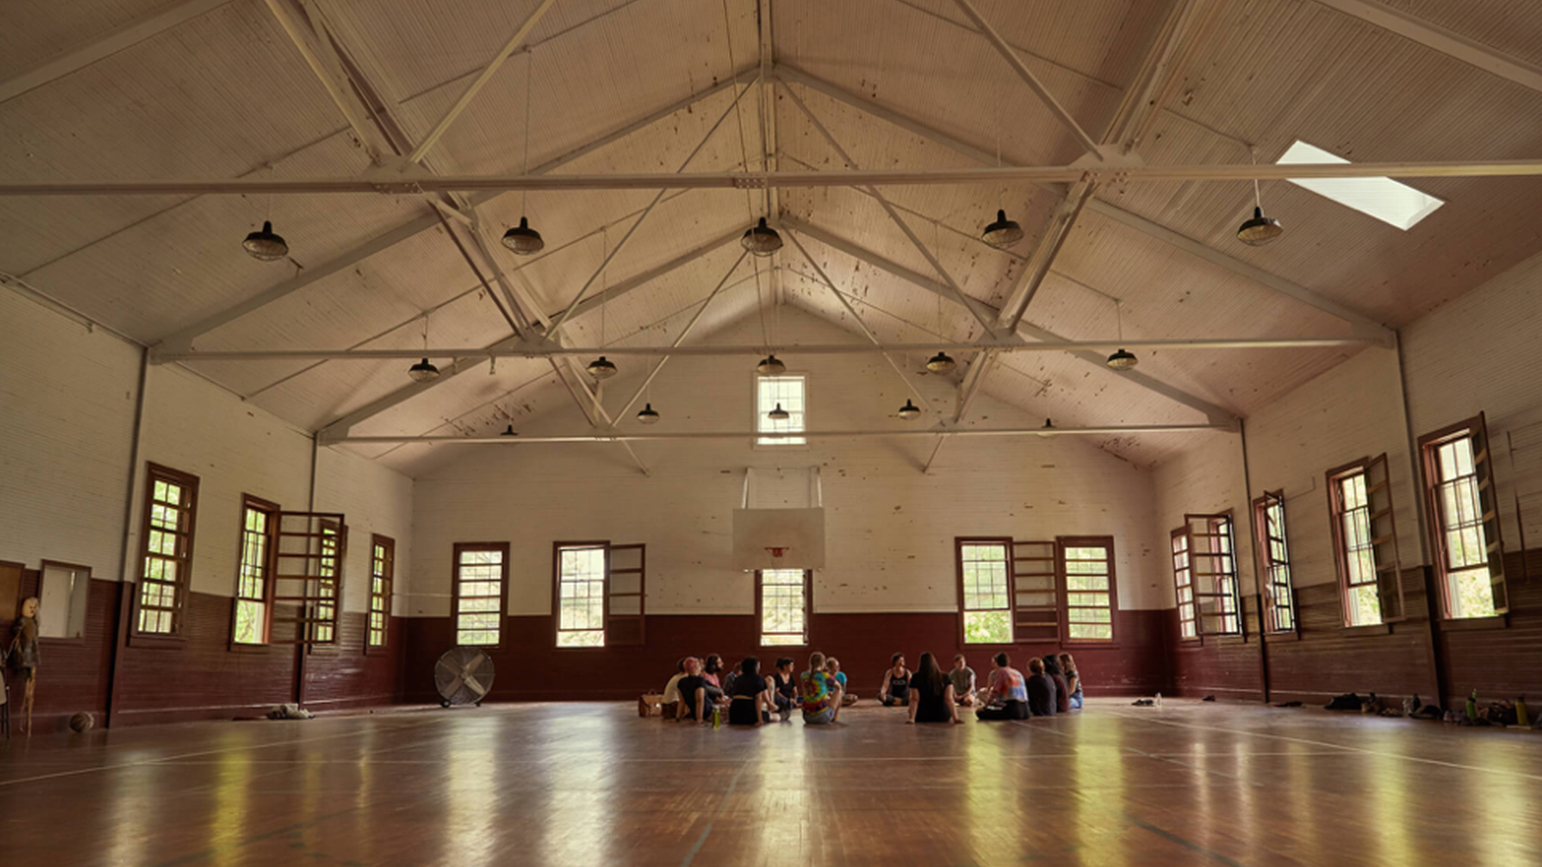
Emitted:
pixel 1159 699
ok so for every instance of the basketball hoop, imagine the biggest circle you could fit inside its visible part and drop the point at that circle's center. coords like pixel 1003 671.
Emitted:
pixel 777 552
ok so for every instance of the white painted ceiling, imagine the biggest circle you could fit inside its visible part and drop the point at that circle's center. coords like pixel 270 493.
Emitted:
pixel 226 93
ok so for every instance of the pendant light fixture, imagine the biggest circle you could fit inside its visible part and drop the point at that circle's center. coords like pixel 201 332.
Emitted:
pixel 424 371
pixel 770 366
pixel 647 415
pixel 601 368
pixel 1259 230
pixel 761 240
pixel 523 240
pixel 941 363
pixel 779 414
pixel 264 245
pixel 909 412
pixel 1045 431
pixel 509 432
pixel 1121 360
pixel 1003 233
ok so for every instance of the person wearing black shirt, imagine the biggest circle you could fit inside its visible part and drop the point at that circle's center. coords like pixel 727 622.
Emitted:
pixel 1041 690
pixel 694 702
pixel 931 694
pixel 784 691
pixel 748 707
pixel 1062 689
pixel 896 683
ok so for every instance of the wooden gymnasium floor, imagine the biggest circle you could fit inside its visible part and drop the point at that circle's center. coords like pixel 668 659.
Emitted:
pixel 591 784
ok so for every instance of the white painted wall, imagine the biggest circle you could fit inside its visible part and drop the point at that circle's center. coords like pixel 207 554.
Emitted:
pixel 889 529
pixel 69 396
pixel 1205 479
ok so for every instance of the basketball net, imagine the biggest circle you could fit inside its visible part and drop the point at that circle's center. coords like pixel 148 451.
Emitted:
pixel 777 552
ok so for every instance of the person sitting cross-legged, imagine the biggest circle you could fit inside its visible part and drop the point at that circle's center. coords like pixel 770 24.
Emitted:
pixel 1042 700
pixel 820 694
pixel 670 704
pixel 931 694
pixel 833 665
pixel 1073 680
pixel 963 681
pixel 1062 689
pixel 896 683
pixel 1006 696
pixel 695 701
pixel 748 696
pixel 783 690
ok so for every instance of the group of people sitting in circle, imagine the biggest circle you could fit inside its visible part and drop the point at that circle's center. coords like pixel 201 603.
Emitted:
pixel 701 690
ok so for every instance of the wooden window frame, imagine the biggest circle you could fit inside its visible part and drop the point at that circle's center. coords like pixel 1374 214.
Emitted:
pixel 1182 534
pixel 503 589
pixel 780 444
pixel 42 569
pixel 1266 564
pixel 1216 591
pixel 384 598
pixel 1476 430
pixel 182 585
pixel 1334 476
pixel 332 642
pixel 272 510
pixel 608 618
pixel 1107 544
pixel 958 562
pixel 808 608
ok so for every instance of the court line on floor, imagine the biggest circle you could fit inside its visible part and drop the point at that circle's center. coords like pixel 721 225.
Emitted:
pixel 1158 756
pixel 700 841
pixel 1382 754
pixel 1181 841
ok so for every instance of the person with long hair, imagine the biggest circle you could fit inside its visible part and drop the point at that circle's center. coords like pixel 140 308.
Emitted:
pixel 896 683
pixel 820 693
pixel 670 704
pixel 1007 696
pixel 748 705
pixel 782 691
pixel 1062 689
pixel 931 694
pixel 1073 680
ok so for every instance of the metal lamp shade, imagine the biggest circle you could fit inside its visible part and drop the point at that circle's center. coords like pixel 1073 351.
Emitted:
pixel 648 415
pixel 523 240
pixel 770 366
pixel 761 240
pixel 1003 232
pixel 1259 230
pixel 941 363
pixel 423 371
pixel 1122 360
pixel 909 411
pixel 265 245
pixel 601 368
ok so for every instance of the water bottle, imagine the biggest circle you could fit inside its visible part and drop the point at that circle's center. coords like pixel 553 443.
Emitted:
pixel 1159 699
pixel 1472 704
pixel 1522 718
pixel 717 717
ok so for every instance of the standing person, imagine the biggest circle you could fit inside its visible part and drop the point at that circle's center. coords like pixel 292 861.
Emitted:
pixel 821 694
pixel 748 707
pixel 694 700
pixel 963 681
pixel 1062 689
pixel 1041 690
pixel 1006 696
pixel 669 705
pixel 833 665
pixel 1072 679
pixel 931 694
pixel 896 683
pixel 783 691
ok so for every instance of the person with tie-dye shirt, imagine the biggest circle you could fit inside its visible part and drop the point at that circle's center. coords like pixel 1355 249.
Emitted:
pixel 821 693
pixel 1007 693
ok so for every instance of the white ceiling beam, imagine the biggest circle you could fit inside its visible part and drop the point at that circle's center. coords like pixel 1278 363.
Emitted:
pixel 126 36
pixel 1362 324
pixel 987 325
pixel 1447 42
pixel 182 339
pixel 476 84
pixel 1104 430
pixel 538 349
pixel 1026 74
pixel 329 72
pixel 1216 414
pixel 388 184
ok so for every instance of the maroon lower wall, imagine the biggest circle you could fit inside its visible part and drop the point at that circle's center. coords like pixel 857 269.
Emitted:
pixel 1498 657
pixel 200 677
pixel 530 668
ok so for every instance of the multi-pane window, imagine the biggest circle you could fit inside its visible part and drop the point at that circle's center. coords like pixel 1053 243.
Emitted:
pixel 1274 561
pixel 774 397
pixel 481 574
pixel 1183 584
pixel 1219 566
pixel 325 626
pixel 254 590
pixel 783 602
pixel 1089 588
pixel 581 595
pixel 1362 601
pixel 985 590
pixel 382 570
pixel 170 508
pixel 1464 520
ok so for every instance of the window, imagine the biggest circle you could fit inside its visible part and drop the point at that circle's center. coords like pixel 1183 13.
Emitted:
pixel 788 393
pixel 1183 585
pixel 1365 542
pixel 1274 561
pixel 1464 520
pixel 581 595
pixel 171 505
pixel 481 576
pixel 382 570
pixel 1390 201
pixel 985 590
pixel 324 628
pixel 254 592
pixel 782 604
pixel 1212 548
pixel 1088 564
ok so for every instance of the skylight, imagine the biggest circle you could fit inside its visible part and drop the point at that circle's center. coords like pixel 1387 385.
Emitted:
pixel 1383 198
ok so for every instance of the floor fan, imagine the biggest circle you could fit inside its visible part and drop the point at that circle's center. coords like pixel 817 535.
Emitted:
pixel 463 675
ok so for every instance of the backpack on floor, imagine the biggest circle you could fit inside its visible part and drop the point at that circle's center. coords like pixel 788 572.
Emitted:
pixel 1347 701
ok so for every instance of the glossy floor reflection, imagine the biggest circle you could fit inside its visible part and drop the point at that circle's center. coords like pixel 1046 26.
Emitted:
pixel 591 784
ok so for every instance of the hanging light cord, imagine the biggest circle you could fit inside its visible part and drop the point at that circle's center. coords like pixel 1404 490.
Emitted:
pixel 604 281
pixel 744 151
pixel 525 168
pixel 1119 317
pixel 1258 200
pixel 425 332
